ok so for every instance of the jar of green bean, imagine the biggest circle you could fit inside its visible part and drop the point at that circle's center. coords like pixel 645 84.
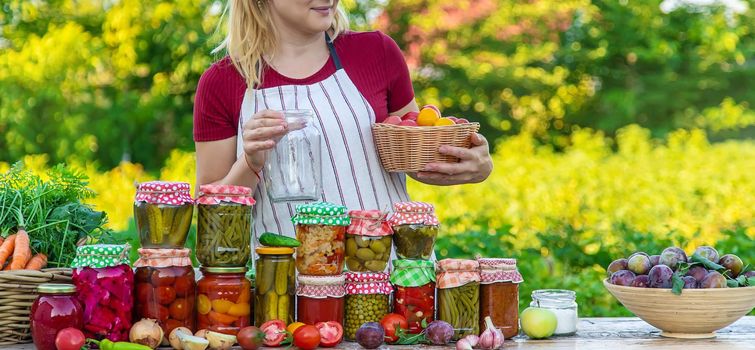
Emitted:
pixel 224 225
pixel 459 295
pixel 367 300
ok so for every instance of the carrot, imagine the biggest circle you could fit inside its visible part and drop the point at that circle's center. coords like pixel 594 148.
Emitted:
pixel 1 240
pixel 7 248
pixel 22 253
pixel 37 262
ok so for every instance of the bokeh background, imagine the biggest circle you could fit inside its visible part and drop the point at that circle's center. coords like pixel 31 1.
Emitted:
pixel 615 125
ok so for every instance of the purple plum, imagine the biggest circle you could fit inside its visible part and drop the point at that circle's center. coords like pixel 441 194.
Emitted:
pixel 732 263
pixel 622 278
pixel 689 282
pixel 697 272
pixel 749 274
pixel 713 280
pixel 616 265
pixel 708 252
pixel 639 264
pixel 641 281
pixel 654 259
pixel 370 335
pixel 671 257
pixel 660 276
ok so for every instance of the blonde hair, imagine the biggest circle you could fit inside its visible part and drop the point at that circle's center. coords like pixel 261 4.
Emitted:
pixel 251 33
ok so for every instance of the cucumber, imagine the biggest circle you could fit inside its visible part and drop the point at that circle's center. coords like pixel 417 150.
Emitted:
pixel 274 240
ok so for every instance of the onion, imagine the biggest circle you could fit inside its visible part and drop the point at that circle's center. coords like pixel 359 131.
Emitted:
pixel 146 332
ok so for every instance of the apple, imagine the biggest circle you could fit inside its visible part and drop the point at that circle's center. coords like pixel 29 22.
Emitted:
pixel 408 122
pixel 431 107
pixel 462 121
pixel 394 119
pixel 454 119
pixel 538 323
pixel 410 115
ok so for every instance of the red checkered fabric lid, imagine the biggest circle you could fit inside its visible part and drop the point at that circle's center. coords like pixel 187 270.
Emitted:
pixel 457 272
pixel 494 270
pixel 163 257
pixel 214 194
pixel 413 213
pixel 163 192
pixel 369 223
pixel 368 283
pixel 321 287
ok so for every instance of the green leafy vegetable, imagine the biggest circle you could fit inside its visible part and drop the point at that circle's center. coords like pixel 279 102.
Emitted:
pixel 707 263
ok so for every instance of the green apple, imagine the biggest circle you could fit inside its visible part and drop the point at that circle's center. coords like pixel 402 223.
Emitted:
pixel 538 323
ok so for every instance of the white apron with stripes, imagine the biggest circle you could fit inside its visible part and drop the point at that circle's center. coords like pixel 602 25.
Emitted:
pixel 351 171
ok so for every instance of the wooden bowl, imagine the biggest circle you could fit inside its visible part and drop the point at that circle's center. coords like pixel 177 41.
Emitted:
pixel 696 313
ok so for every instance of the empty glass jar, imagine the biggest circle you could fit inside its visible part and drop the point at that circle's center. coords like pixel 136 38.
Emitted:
pixel 293 170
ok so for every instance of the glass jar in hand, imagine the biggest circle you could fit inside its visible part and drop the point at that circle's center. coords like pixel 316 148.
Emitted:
pixel 499 294
pixel 368 241
pixel 415 292
pixel 414 229
pixel 367 300
pixel 54 309
pixel 321 229
pixel 223 296
pixel 163 212
pixel 293 170
pixel 224 225
pixel 320 299
pixel 458 295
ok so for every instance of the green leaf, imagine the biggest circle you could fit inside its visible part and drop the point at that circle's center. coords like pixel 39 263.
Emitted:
pixel 732 283
pixel 707 263
pixel 678 283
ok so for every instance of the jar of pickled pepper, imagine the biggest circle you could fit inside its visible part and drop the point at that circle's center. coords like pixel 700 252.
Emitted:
pixel 320 299
pixel 368 241
pixel 163 212
pixel 415 228
pixel 459 295
pixel 275 286
pixel 321 229
pixel 499 294
pixel 223 296
pixel 165 288
pixel 414 297
pixel 367 300
pixel 224 225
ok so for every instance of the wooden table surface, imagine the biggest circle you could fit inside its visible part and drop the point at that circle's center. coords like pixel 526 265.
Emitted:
pixel 604 333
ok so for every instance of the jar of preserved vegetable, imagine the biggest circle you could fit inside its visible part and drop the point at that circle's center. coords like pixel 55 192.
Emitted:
pixel 105 284
pixel 414 296
pixel 55 308
pixel 368 241
pixel 224 225
pixel 459 295
pixel 274 285
pixel 165 288
pixel 499 294
pixel 367 300
pixel 163 212
pixel 414 229
pixel 320 299
pixel 321 229
pixel 223 296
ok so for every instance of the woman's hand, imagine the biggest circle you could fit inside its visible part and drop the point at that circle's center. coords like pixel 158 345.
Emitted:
pixel 261 132
pixel 474 166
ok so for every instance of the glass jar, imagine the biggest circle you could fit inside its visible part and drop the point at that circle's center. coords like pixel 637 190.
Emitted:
pixel 367 300
pixel 163 212
pixel 459 295
pixel 223 296
pixel 274 285
pixel 105 284
pixel 415 228
pixel 293 170
pixel 320 299
pixel 414 297
pixel 368 241
pixel 563 303
pixel 499 294
pixel 165 288
pixel 224 225
pixel 321 229
pixel 55 308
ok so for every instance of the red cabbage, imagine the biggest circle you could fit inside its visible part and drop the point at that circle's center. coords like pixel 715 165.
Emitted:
pixel 106 294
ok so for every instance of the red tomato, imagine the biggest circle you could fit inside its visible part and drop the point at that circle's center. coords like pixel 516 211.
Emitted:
pixel 331 333
pixel 144 293
pixel 390 322
pixel 69 339
pixel 179 309
pixel 183 286
pixel 307 337
pixel 165 295
pixel 250 338
pixel 159 312
pixel 162 278
pixel 275 332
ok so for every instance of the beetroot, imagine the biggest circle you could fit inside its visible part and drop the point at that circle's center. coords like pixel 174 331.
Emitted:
pixel 107 297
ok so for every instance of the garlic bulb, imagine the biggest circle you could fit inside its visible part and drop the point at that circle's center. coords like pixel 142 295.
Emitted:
pixel 491 338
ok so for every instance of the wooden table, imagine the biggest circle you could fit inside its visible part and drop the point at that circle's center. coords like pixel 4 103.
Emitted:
pixel 606 333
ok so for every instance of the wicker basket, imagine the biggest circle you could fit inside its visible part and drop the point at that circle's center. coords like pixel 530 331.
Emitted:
pixel 410 148
pixel 18 290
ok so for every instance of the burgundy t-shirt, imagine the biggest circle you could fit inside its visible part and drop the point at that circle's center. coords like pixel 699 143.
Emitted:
pixel 372 60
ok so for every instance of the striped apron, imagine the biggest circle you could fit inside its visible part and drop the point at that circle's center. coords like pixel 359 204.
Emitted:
pixel 351 171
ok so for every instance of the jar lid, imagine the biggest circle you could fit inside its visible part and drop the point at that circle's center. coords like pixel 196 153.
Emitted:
pixel 368 283
pixel 412 273
pixel 320 287
pixel 163 257
pixel 553 297
pixel 214 194
pixel 164 192
pixel 321 213
pixel 101 255
pixel 369 223
pixel 457 272
pixel 241 269
pixel 494 270
pixel 413 213
pixel 275 250
pixel 56 288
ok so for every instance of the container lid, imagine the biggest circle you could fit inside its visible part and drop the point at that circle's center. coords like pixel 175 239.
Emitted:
pixel 369 223
pixel 457 272
pixel 101 255
pixel 493 270
pixel 214 194
pixel 163 257
pixel 275 250
pixel 240 269
pixel 56 288
pixel 163 192
pixel 413 213
pixel 321 286
pixel 321 213
pixel 412 273
pixel 368 283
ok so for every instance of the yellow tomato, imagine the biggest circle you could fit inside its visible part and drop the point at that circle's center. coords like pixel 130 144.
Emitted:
pixel 221 305
pixel 292 327
pixel 203 304
pixel 240 309
pixel 444 121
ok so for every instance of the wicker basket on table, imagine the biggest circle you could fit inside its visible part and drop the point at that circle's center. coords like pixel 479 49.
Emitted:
pixel 18 290
pixel 410 148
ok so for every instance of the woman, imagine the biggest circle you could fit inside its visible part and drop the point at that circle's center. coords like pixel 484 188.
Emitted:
pixel 298 54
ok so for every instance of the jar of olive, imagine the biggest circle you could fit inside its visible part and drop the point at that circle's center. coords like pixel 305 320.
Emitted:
pixel 415 227
pixel 367 300
pixel 274 285
pixel 368 241
pixel 224 225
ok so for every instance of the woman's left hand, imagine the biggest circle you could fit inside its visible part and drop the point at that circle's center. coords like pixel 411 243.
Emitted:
pixel 474 165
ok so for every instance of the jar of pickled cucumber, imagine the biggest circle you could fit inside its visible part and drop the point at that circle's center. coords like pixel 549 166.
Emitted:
pixel 414 297
pixel 223 299
pixel 368 241
pixel 321 229
pixel 320 299
pixel 459 295
pixel 367 300
pixel 274 285
pixel 224 225
pixel 163 212
pixel 415 227
pixel 499 294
